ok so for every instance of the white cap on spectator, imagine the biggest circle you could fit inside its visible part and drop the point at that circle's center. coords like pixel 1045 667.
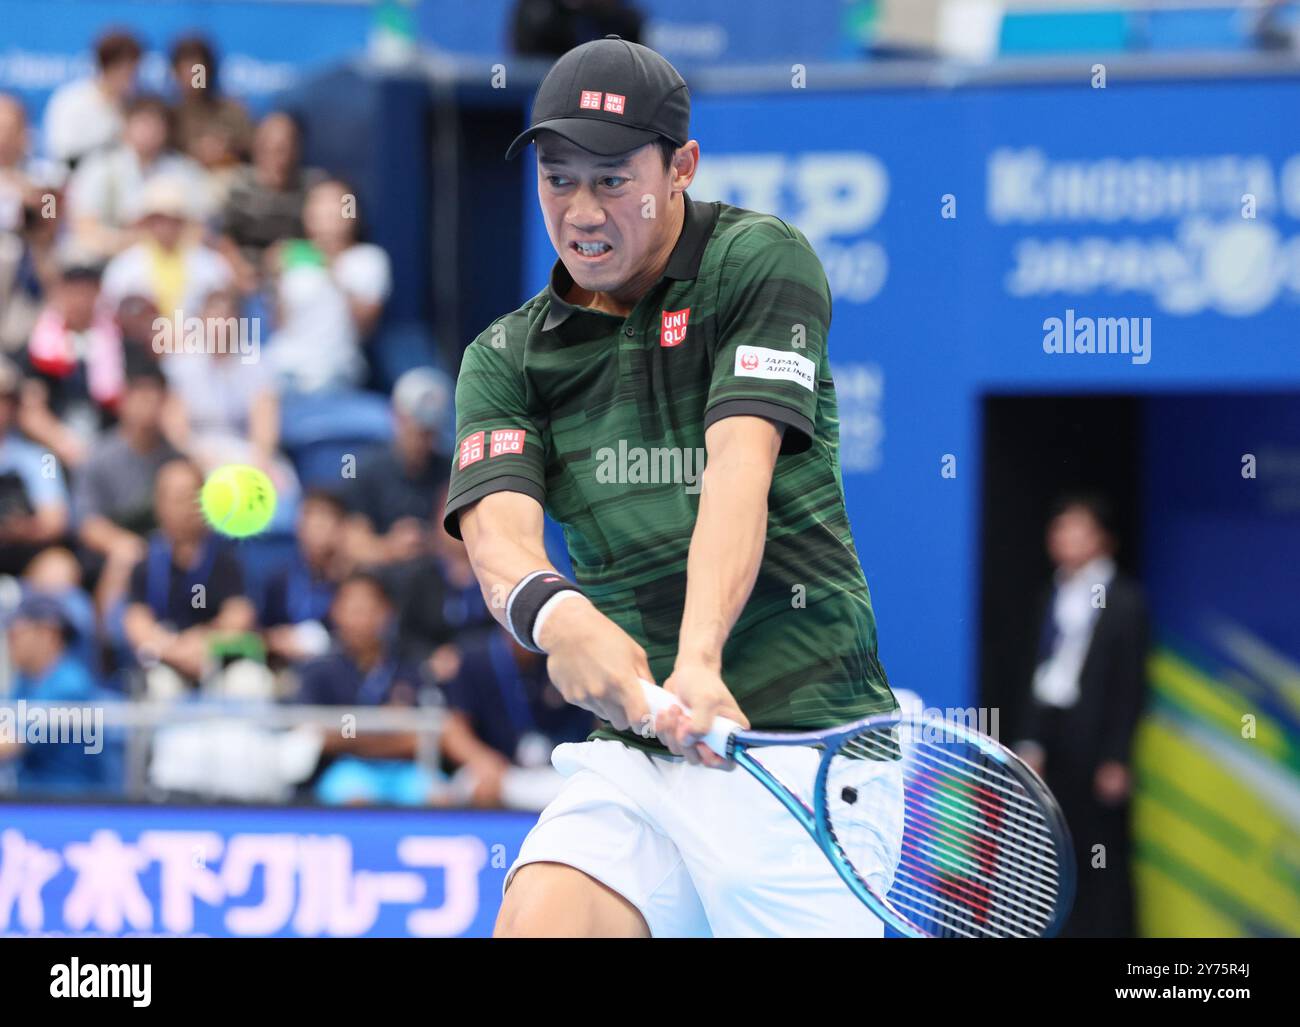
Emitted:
pixel 165 196
pixel 424 395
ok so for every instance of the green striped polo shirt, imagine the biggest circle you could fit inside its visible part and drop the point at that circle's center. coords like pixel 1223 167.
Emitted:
pixel 601 419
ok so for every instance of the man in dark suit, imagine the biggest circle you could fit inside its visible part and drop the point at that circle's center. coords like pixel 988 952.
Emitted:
pixel 1077 716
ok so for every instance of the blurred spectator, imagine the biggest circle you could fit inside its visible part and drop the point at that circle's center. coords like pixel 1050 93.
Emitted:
pixel 549 28
pixel 505 718
pixel 86 115
pixel 33 497
pixel 74 366
pixel 28 225
pixel 265 201
pixel 225 392
pixel 136 318
pixel 1077 720
pixel 114 492
pixel 173 272
pixel 15 182
pixel 46 671
pixel 396 486
pixel 106 192
pixel 214 130
pixel 295 610
pixel 330 294
pixel 440 606
pixel 55 572
pixel 188 588
pixel 362 270
pixel 364 670
pixel 224 407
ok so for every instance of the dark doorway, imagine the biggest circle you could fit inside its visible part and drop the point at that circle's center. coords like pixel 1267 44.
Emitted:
pixel 1036 448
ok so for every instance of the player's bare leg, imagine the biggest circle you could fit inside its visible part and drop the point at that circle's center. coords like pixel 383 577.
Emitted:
pixel 552 900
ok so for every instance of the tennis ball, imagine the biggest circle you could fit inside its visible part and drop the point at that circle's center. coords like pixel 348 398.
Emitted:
pixel 238 500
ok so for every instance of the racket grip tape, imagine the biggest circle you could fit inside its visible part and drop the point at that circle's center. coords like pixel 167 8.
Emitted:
pixel 719 734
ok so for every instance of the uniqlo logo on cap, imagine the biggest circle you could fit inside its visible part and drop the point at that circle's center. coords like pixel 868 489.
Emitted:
pixel 507 440
pixel 673 332
pixel 590 100
pixel 471 450
pixel 614 103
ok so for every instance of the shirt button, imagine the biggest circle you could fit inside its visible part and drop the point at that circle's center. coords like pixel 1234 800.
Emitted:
pixel 629 331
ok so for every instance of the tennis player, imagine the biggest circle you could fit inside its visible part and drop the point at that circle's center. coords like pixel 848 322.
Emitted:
pixel 672 334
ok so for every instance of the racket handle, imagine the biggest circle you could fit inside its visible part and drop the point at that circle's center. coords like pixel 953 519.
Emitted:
pixel 720 732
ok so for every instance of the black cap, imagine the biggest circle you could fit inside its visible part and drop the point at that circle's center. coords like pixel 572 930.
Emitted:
pixel 610 96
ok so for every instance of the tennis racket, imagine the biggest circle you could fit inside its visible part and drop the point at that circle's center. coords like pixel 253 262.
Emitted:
pixel 982 849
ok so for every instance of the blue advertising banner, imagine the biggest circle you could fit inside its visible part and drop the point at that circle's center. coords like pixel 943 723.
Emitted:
pixel 252 872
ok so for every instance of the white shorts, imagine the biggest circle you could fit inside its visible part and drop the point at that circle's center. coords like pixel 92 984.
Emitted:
pixel 711 853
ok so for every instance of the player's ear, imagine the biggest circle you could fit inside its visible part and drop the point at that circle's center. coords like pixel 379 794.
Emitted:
pixel 686 162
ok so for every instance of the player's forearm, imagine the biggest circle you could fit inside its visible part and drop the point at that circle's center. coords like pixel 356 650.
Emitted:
pixel 725 554
pixel 502 550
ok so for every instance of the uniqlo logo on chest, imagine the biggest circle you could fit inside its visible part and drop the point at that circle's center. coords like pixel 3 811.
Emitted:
pixel 590 100
pixel 471 450
pixel 507 440
pixel 614 103
pixel 673 332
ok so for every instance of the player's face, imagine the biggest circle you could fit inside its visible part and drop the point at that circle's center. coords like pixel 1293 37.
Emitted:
pixel 602 213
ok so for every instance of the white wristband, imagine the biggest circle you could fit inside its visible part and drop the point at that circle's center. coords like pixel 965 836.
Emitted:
pixel 546 610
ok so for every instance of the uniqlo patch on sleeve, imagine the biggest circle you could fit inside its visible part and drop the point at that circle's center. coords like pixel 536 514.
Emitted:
pixel 507 440
pixel 471 450
pixel 761 362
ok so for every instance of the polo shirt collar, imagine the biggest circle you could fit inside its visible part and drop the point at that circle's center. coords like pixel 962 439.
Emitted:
pixel 683 263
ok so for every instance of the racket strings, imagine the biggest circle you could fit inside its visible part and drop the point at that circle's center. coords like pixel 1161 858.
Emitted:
pixel 961 821
pixel 919 753
pixel 970 817
pixel 937 836
pixel 976 855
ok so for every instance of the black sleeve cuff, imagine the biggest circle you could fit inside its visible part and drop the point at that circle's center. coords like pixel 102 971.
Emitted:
pixel 798 434
pixel 503 483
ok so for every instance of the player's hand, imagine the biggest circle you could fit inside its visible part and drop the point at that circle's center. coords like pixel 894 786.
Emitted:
pixel 701 689
pixel 595 664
